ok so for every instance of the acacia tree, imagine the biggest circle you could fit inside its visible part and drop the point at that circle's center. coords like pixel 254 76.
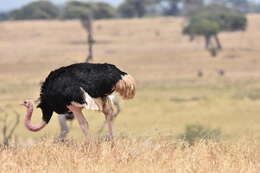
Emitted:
pixel 97 10
pixel 203 27
pixel 36 10
pixel 210 21
pixel 86 22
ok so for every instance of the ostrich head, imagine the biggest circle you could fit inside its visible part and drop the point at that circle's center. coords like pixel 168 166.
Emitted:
pixel 27 120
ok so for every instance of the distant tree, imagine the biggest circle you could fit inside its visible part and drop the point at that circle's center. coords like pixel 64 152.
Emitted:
pixel 256 8
pixel 139 6
pixel 86 22
pixel 36 10
pixel 77 9
pixel 202 27
pixel 212 20
pixel 229 19
pixel 126 10
pixel 191 6
pixel 170 7
pixel 97 10
pixel 86 12
pixel 4 16
pixel 241 5
pixel 134 8
pixel 104 11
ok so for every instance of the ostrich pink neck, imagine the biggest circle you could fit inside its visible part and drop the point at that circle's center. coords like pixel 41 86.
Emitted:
pixel 27 122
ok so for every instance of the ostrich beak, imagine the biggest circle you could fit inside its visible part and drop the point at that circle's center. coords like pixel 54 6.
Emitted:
pixel 22 103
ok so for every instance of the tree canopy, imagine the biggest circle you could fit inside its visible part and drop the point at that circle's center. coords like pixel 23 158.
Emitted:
pixel 98 10
pixel 211 20
pixel 133 8
pixel 71 10
pixel 36 10
pixel 44 9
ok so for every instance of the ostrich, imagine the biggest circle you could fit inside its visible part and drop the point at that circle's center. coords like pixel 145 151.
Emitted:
pixel 71 88
pixel 63 118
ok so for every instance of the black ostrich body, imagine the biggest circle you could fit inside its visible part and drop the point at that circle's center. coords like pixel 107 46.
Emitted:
pixel 67 84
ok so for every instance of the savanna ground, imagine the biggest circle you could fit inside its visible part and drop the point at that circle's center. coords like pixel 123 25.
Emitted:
pixel 169 97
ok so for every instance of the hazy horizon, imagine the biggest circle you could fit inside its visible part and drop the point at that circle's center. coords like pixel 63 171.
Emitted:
pixel 12 4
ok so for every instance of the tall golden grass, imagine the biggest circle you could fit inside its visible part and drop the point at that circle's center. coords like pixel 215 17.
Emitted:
pixel 133 155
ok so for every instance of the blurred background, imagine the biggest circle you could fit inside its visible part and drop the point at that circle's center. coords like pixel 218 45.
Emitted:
pixel 196 63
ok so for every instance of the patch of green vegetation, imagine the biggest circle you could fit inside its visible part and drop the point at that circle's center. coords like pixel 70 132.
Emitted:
pixel 253 94
pixel 3 90
pixel 181 100
pixel 195 132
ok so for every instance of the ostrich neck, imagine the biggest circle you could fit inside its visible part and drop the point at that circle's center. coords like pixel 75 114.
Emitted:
pixel 27 121
pixel 28 115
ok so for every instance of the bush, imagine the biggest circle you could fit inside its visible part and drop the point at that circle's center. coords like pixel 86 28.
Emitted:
pixel 197 132
pixel 36 10
pixel 251 94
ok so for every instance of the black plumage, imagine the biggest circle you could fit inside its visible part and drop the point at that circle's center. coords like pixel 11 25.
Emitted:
pixel 64 85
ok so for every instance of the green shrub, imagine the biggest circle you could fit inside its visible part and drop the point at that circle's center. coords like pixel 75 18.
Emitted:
pixel 195 132
pixel 252 94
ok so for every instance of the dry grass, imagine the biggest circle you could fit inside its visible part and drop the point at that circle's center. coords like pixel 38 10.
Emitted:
pixel 164 66
pixel 133 155
pixel 169 96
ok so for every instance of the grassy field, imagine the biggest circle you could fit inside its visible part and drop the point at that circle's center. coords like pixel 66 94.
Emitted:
pixel 169 97
pixel 135 155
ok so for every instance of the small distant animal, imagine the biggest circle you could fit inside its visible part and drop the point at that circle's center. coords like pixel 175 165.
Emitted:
pixel 200 73
pixel 71 88
pixel 221 72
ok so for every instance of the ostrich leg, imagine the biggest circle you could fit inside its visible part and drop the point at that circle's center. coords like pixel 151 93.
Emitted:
pixel 77 111
pixel 64 130
pixel 115 102
pixel 109 121
pixel 114 115
pixel 108 111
